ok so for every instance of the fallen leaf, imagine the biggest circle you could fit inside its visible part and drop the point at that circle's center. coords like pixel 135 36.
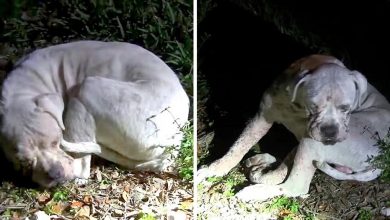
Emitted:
pixel 43 198
pixel 125 196
pixel 118 212
pixel 58 208
pixel 104 186
pixel 83 212
pixel 107 201
pixel 76 204
pixel 88 199
pixel 115 174
pixel 98 175
pixel 127 188
pixel 186 204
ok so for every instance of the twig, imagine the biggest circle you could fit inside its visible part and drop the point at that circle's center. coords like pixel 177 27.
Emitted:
pixel 120 27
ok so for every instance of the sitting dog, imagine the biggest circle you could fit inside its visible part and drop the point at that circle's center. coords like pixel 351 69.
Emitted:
pixel 331 110
pixel 62 103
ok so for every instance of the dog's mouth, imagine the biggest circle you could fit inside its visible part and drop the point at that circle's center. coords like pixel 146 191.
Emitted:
pixel 342 168
pixel 329 141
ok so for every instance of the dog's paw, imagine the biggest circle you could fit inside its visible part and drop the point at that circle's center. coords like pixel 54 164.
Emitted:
pixel 259 192
pixel 260 160
pixel 81 181
pixel 265 169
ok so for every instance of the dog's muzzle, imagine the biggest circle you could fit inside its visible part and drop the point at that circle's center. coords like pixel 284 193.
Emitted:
pixel 329 134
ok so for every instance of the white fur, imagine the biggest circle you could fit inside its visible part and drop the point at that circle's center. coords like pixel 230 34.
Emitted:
pixel 121 101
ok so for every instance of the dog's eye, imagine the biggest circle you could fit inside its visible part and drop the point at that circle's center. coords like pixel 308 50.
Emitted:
pixel 344 108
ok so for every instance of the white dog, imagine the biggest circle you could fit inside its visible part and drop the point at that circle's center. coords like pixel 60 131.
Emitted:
pixel 334 113
pixel 121 102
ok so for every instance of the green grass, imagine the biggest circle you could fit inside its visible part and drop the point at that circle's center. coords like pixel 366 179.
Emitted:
pixel 186 153
pixel 145 216
pixel 364 215
pixel 227 185
pixel 382 161
pixel 288 208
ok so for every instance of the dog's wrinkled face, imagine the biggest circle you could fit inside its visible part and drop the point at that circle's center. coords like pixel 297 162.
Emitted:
pixel 32 137
pixel 329 94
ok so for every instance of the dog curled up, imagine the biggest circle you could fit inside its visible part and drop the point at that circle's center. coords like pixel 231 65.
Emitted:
pixel 63 103
pixel 332 111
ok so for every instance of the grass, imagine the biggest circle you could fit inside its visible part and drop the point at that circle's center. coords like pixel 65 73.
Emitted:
pixel 364 215
pixel 288 208
pixel 145 216
pixel 382 161
pixel 227 185
pixel 186 153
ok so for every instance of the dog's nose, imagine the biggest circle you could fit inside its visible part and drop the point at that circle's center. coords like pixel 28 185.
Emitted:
pixel 329 131
pixel 56 172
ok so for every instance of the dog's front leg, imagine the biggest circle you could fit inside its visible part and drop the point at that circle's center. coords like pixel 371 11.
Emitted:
pixel 302 171
pixel 252 133
pixel 79 139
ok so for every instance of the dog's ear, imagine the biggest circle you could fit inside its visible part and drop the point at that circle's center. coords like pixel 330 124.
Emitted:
pixel 361 87
pixel 303 76
pixel 52 104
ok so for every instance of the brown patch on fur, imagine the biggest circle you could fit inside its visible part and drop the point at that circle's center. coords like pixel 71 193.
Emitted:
pixel 310 63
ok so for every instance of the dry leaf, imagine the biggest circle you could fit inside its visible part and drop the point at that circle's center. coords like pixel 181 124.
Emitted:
pixel 104 186
pixel 186 204
pixel 125 196
pixel 107 200
pixel 88 199
pixel 76 204
pixel 118 212
pixel 115 174
pixel 127 188
pixel 58 208
pixel 98 175
pixel 43 198
pixel 15 216
pixel 83 212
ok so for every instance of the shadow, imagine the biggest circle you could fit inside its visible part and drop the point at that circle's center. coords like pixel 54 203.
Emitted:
pixel 239 61
pixel 9 174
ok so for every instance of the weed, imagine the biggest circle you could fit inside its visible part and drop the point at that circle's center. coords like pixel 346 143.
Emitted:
pixel 228 183
pixel 186 153
pixel 60 194
pixel 364 214
pixel 145 216
pixel 288 208
pixel 382 161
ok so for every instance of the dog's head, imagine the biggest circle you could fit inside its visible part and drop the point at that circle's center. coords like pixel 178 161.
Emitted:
pixel 31 132
pixel 328 92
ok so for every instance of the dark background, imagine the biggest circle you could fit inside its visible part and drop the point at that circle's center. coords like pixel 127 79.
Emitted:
pixel 244 45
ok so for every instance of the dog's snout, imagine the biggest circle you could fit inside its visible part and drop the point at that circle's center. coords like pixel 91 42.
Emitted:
pixel 329 131
pixel 56 172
